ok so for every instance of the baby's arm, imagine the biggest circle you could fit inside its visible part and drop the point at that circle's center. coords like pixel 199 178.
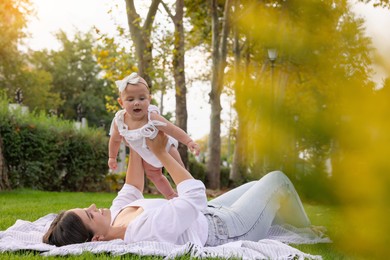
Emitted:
pixel 176 132
pixel 113 147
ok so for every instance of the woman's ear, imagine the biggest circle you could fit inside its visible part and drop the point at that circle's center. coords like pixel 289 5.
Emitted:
pixel 97 238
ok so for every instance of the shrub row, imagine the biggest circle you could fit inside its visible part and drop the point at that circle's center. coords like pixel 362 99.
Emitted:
pixel 48 153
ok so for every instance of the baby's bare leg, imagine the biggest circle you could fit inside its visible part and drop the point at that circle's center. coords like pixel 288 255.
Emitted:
pixel 159 180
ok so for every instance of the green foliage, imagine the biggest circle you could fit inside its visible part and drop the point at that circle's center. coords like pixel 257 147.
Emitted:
pixel 197 13
pixel 197 169
pixel 117 63
pixel 315 104
pixel 114 181
pixel 224 177
pixel 75 78
pixel 47 153
pixel 293 104
pixel 13 19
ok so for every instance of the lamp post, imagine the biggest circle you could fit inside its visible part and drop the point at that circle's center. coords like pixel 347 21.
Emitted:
pixel 19 96
pixel 79 112
pixel 272 56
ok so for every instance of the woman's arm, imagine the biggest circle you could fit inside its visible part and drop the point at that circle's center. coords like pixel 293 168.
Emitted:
pixel 175 170
pixel 134 186
pixel 135 171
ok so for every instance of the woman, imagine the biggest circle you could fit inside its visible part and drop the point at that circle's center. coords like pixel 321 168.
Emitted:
pixel 244 213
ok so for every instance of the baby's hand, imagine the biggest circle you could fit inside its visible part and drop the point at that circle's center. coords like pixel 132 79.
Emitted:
pixel 112 163
pixel 194 147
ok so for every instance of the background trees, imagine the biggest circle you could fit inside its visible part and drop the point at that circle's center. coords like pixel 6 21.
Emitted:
pixel 76 79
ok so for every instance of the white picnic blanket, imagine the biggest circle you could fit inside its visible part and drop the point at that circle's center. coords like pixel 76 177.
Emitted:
pixel 26 235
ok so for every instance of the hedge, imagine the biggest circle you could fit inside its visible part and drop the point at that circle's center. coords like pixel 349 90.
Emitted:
pixel 47 153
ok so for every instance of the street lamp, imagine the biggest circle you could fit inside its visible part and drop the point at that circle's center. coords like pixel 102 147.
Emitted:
pixel 272 55
pixel 19 96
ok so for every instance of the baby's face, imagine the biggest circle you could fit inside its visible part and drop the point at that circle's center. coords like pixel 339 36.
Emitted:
pixel 135 99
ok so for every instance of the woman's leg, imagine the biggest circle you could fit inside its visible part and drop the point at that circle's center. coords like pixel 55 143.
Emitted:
pixel 228 198
pixel 251 215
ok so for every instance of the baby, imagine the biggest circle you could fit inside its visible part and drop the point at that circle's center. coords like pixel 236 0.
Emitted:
pixel 138 120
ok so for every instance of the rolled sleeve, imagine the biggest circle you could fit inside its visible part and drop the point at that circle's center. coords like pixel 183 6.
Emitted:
pixel 180 213
pixel 125 196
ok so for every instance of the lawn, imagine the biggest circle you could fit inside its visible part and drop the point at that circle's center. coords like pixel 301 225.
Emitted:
pixel 30 205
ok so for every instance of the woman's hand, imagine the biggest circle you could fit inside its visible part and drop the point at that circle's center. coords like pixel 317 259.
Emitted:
pixel 175 170
pixel 157 144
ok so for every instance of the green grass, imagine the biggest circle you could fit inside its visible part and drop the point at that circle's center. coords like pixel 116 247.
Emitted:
pixel 31 205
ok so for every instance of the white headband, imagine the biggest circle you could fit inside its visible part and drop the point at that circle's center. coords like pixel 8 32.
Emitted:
pixel 133 79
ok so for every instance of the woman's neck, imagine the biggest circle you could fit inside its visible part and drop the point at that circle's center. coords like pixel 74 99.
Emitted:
pixel 115 233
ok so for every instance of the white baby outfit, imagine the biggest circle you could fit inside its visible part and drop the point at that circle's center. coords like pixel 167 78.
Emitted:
pixel 136 137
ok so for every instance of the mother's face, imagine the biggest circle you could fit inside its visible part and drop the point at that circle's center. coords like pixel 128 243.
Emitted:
pixel 97 220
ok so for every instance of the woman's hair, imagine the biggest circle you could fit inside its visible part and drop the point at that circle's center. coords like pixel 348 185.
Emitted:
pixel 67 228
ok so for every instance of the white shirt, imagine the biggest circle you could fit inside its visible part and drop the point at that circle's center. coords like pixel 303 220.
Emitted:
pixel 177 221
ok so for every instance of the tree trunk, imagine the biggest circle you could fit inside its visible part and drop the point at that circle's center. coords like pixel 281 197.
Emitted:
pixel 236 170
pixel 219 64
pixel 4 183
pixel 140 35
pixel 179 75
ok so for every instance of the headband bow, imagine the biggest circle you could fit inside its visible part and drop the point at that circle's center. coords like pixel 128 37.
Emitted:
pixel 133 78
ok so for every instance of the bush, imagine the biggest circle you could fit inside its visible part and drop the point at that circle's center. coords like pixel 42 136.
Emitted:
pixel 197 169
pixel 224 178
pixel 48 153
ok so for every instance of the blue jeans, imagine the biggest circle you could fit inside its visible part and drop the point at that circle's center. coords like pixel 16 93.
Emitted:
pixel 248 211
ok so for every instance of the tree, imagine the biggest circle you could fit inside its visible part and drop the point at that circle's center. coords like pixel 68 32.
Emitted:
pixel 76 78
pixel 377 3
pixel 141 37
pixel 13 19
pixel 301 68
pixel 179 72
pixel 116 62
pixel 219 52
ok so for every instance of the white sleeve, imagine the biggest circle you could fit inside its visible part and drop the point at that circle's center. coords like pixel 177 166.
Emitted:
pixel 125 196
pixel 112 127
pixel 178 214
pixel 118 120
pixel 113 123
